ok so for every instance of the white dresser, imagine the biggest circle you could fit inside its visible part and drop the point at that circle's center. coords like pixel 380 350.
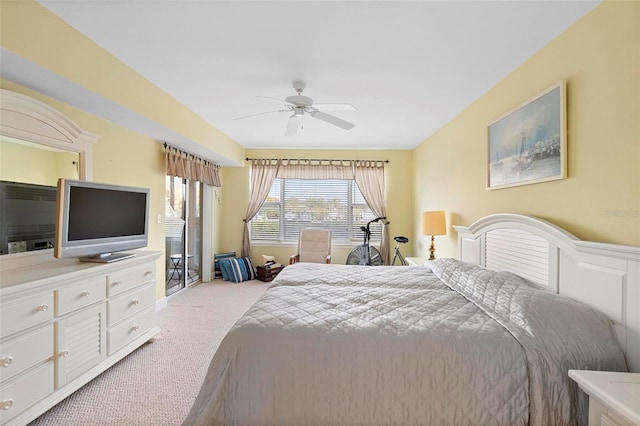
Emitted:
pixel 64 322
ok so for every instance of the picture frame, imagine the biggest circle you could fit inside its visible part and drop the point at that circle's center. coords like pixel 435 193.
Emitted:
pixel 528 144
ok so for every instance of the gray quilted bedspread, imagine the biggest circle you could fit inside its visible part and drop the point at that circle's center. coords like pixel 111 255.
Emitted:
pixel 354 345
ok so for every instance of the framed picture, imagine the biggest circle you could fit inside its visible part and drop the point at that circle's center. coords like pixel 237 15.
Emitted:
pixel 529 143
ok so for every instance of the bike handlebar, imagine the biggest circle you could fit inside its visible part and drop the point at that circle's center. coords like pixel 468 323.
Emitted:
pixel 375 220
pixel 367 231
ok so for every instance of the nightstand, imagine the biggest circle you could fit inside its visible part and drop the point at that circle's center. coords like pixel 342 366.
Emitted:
pixel 614 398
pixel 415 261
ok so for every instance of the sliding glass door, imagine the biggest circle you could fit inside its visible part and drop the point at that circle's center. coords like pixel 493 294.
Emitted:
pixel 183 233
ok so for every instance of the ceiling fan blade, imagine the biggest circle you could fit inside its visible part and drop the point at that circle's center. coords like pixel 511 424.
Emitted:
pixel 334 107
pixel 274 99
pixel 260 113
pixel 332 119
pixel 292 127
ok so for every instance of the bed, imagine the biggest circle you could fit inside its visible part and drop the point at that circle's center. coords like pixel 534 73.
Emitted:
pixel 487 339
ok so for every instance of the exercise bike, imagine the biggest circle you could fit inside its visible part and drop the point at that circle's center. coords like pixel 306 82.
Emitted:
pixel 366 254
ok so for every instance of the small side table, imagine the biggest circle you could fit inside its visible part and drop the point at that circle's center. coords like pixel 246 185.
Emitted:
pixel 415 261
pixel 176 266
pixel 267 274
pixel 614 397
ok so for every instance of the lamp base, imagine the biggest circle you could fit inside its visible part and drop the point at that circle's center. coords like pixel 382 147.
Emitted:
pixel 432 249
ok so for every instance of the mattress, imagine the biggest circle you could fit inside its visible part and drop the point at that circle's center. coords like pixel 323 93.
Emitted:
pixel 453 344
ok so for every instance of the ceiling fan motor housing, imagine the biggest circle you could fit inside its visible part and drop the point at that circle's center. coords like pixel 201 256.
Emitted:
pixel 302 101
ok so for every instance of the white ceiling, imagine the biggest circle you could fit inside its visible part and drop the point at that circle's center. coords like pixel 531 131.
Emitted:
pixel 407 66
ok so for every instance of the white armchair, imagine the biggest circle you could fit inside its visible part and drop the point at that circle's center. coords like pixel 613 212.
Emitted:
pixel 314 245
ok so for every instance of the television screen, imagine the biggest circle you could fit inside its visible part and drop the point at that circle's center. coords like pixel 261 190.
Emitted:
pixel 105 213
pixel 96 220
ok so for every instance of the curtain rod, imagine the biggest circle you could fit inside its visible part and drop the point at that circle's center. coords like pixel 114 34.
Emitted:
pixel 187 153
pixel 310 159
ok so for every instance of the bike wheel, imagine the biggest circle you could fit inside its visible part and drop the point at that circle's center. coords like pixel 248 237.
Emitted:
pixel 358 256
pixel 376 259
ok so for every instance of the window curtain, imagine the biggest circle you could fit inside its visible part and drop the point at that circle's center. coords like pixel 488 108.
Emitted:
pixel 263 173
pixel 369 176
pixel 184 165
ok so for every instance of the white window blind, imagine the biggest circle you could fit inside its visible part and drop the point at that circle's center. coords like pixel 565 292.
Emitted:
pixel 295 204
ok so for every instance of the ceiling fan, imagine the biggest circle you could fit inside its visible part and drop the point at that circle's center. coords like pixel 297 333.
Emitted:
pixel 299 105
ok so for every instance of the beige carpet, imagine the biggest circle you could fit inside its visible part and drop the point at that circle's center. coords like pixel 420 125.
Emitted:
pixel 156 384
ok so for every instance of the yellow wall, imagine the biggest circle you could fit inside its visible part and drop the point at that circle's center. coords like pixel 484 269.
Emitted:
pixel 122 157
pixel 235 196
pixel 599 57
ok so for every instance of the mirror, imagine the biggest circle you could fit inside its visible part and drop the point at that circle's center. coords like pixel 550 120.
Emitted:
pixel 28 177
pixel 38 145
pixel 27 162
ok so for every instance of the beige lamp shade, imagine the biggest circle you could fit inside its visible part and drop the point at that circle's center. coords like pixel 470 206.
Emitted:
pixel 433 223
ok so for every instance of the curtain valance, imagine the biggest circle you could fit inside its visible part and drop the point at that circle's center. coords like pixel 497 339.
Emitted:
pixel 184 165
pixel 316 168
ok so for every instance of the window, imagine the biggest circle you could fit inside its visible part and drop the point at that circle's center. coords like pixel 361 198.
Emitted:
pixel 295 204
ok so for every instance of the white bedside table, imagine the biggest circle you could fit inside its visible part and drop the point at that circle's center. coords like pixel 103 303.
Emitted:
pixel 614 398
pixel 415 261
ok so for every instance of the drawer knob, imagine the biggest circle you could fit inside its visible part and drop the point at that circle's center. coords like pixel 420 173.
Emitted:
pixel 43 307
pixel 147 273
pixel 115 283
pixel 6 404
pixel 135 301
pixel 6 361
pixel 135 328
pixel 86 293
pixel 64 353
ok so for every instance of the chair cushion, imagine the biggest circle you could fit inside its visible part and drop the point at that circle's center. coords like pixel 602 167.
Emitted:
pixel 314 256
pixel 241 269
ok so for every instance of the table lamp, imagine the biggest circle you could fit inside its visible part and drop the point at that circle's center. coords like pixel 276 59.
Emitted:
pixel 433 223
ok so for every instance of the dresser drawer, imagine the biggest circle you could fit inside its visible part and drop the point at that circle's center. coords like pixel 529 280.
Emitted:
pixel 25 351
pixel 129 329
pixel 20 394
pixel 130 303
pixel 25 313
pixel 71 298
pixel 121 281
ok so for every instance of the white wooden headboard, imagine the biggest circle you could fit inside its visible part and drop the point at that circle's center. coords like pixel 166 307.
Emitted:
pixel 604 276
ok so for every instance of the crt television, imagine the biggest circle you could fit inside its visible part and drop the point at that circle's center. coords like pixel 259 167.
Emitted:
pixel 95 221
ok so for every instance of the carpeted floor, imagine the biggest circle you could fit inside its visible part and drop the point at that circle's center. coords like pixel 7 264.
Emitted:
pixel 157 383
